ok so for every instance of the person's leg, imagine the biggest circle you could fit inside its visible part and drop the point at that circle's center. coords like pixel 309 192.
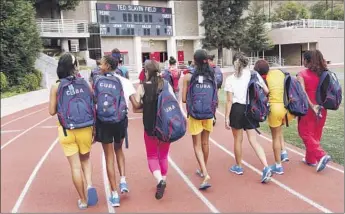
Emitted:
pixel 153 157
pixel 320 154
pixel 236 124
pixel 205 135
pixel 200 156
pixel 77 177
pixel 84 139
pixel 306 131
pixel 120 159
pixel 266 173
pixel 276 144
pixel 163 152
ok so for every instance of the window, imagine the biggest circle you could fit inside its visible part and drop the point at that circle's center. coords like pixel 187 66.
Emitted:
pixel 146 18
pixel 158 32
pixel 108 29
pixel 106 19
pixel 165 30
pixel 150 18
pixel 135 17
pixel 125 17
pixel 129 17
pixel 167 22
pixel 140 18
pixel 117 31
pixel 102 19
pixel 128 31
pixel 132 31
pixel 112 18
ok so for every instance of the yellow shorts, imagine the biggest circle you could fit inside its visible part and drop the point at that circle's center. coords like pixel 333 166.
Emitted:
pixel 76 141
pixel 277 114
pixel 195 126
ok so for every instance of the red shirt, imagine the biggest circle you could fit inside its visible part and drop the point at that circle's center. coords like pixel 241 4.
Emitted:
pixel 311 81
pixel 142 75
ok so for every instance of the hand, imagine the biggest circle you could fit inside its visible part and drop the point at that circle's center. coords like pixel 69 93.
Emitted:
pixel 227 125
pixel 317 110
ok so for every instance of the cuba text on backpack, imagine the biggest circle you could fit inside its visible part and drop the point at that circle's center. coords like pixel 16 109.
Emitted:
pixel 329 92
pixel 295 99
pixel 257 105
pixel 111 103
pixel 170 123
pixel 202 97
pixel 75 106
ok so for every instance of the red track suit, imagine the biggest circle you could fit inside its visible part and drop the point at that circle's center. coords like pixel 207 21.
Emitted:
pixel 310 126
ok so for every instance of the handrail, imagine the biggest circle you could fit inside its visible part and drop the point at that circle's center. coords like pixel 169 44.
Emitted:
pixel 307 23
pixel 62 26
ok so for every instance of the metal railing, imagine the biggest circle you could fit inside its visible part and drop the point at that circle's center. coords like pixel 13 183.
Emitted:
pixel 307 23
pixel 62 26
pixel 272 60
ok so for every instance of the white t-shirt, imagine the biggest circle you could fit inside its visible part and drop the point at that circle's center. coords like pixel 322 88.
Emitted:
pixel 239 85
pixel 128 88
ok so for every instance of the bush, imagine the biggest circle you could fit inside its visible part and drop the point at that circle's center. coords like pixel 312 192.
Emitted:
pixel 4 82
pixel 30 82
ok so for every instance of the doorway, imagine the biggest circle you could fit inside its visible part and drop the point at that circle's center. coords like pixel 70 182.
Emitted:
pixel 145 56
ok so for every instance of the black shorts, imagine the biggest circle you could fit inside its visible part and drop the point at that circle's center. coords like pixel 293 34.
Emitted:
pixel 238 120
pixel 108 133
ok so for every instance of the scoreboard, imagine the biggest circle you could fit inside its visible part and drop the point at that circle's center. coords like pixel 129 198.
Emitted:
pixel 134 20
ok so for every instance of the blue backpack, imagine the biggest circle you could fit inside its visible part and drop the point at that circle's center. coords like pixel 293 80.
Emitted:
pixel 295 99
pixel 170 123
pixel 75 107
pixel 120 72
pixel 219 76
pixel 111 103
pixel 329 92
pixel 202 97
pixel 166 75
pixel 257 105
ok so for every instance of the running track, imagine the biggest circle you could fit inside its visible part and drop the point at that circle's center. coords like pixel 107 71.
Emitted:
pixel 35 175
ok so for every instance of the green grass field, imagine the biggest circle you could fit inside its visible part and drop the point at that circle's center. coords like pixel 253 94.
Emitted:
pixel 333 132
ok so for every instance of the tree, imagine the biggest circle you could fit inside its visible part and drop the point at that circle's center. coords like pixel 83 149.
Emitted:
pixel 318 10
pixel 20 40
pixel 223 23
pixel 256 33
pixel 290 10
pixel 63 4
pixel 337 14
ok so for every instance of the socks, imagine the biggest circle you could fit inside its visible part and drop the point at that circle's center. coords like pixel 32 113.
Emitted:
pixel 164 178
pixel 284 152
pixel 114 194
pixel 158 175
pixel 123 179
pixel 278 165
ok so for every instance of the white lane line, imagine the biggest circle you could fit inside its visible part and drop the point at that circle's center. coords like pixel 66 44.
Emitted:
pixel 2 125
pixel 32 177
pixel 13 139
pixel 193 188
pixel 111 209
pixel 10 131
pixel 283 186
pixel 291 149
pixel 47 127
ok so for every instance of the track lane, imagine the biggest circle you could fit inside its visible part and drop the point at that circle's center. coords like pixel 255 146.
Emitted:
pixel 53 189
pixel 8 119
pixel 23 125
pixel 229 192
pixel 142 185
pixel 19 160
pixel 330 182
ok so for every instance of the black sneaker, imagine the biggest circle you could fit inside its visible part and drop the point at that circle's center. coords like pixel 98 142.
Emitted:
pixel 160 189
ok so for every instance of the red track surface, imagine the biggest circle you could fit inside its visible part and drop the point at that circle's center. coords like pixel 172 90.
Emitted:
pixel 300 189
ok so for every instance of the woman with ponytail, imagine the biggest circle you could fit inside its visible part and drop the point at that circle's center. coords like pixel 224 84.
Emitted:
pixel 146 102
pixel 236 91
pixel 200 129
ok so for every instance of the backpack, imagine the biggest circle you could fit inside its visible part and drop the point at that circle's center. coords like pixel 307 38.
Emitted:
pixel 295 99
pixel 75 107
pixel 329 92
pixel 170 123
pixel 166 75
pixel 119 72
pixel 202 96
pixel 111 103
pixel 219 76
pixel 257 105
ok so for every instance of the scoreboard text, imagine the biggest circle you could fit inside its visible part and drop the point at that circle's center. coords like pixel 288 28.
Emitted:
pixel 134 20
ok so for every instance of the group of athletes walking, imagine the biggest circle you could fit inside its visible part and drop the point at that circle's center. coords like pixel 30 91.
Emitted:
pixel 96 111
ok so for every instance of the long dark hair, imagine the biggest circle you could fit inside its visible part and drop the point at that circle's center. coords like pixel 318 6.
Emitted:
pixel 67 66
pixel 201 63
pixel 152 69
pixel 113 62
pixel 317 62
